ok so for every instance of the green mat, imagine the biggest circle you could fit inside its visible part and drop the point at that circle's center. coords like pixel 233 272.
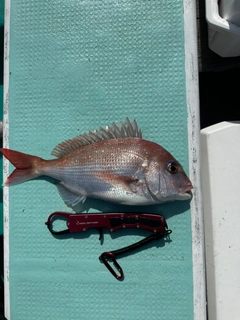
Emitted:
pixel 75 66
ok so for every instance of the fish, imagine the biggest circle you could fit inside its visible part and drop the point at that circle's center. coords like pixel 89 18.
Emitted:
pixel 114 164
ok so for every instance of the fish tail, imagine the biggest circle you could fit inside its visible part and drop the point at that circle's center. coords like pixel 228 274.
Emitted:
pixel 25 166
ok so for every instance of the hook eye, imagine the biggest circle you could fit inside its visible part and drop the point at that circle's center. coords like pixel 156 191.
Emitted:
pixel 109 256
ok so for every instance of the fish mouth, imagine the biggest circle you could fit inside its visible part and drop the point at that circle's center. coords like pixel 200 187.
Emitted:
pixel 186 192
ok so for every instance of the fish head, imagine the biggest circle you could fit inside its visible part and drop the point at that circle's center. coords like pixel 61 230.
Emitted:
pixel 166 180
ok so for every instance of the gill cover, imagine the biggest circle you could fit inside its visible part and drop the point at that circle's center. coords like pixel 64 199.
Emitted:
pixel 152 178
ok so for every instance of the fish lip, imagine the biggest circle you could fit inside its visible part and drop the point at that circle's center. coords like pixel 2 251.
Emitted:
pixel 187 188
pixel 187 195
pixel 186 191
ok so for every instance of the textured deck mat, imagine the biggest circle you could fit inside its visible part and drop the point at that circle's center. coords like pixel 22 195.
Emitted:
pixel 76 66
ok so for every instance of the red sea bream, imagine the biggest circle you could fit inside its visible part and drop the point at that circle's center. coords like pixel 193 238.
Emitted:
pixel 113 164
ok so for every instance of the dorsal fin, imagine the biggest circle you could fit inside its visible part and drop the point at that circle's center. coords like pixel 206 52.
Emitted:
pixel 128 130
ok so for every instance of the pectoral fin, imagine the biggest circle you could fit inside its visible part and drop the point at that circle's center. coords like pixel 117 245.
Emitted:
pixel 69 197
pixel 114 180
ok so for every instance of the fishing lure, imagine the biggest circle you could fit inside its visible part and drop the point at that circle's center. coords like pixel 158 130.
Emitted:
pixel 112 221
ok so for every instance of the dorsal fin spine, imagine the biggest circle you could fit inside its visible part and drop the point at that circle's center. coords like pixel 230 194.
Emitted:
pixel 116 130
pixel 130 129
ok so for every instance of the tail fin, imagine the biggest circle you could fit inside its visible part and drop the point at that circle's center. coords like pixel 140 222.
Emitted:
pixel 25 166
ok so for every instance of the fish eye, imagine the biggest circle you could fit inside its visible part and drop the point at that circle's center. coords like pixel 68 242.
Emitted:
pixel 172 167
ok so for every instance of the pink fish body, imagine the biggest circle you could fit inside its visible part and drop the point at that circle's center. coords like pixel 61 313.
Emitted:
pixel 113 164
